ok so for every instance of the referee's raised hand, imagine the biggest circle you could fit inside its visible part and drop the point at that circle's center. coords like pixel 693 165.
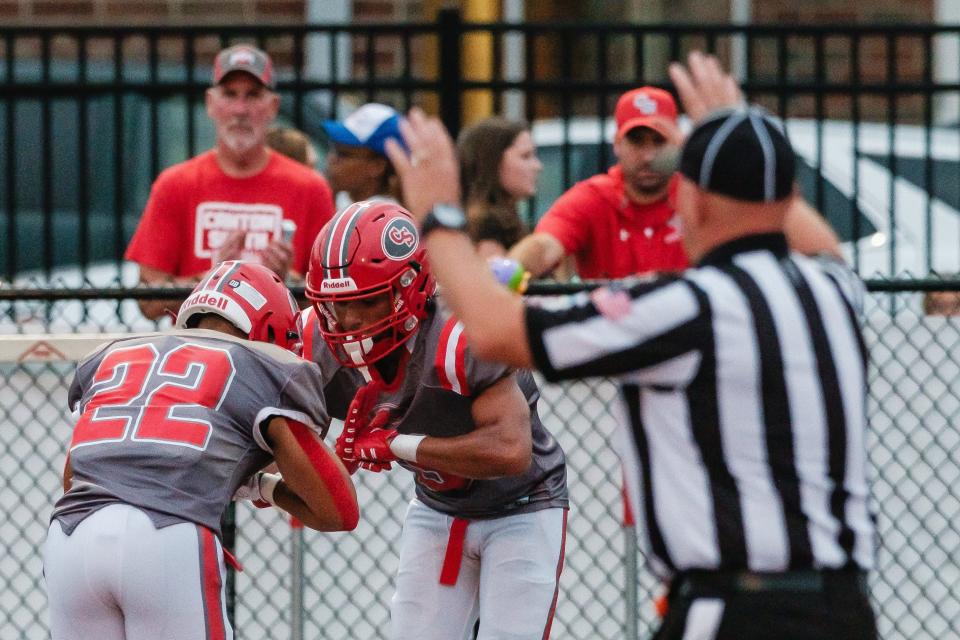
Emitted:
pixel 703 86
pixel 430 173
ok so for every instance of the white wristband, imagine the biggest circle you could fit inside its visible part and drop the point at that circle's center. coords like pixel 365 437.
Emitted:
pixel 404 446
pixel 268 484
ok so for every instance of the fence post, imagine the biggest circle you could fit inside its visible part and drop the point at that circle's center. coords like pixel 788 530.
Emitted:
pixel 630 598
pixel 296 578
pixel 230 543
pixel 450 30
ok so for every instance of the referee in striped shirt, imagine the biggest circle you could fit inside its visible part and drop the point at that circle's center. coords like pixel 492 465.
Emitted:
pixel 743 380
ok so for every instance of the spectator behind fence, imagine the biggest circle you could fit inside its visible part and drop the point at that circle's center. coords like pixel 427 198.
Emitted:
pixel 621 222
pixel 743 380
pixel 230 202
pixel 294 144
pixel 942 303
pixel 498 168
pixel 356 163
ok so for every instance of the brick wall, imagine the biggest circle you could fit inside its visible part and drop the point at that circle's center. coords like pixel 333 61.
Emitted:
pixel 834 12
pixel 151 11
pixel 872 53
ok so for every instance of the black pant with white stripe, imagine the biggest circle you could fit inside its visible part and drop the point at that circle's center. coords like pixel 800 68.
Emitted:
pixel 794 606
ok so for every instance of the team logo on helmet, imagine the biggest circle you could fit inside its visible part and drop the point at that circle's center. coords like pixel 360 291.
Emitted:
pixel 399 239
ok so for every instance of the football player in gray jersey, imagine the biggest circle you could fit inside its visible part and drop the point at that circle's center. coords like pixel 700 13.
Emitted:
pixel 484 535
pixel 171 427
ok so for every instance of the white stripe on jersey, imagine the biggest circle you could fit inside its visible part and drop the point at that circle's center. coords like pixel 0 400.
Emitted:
pixel 270 412
pixel 703 619
pixel 450 359
pixel 665 419
pixel 571 344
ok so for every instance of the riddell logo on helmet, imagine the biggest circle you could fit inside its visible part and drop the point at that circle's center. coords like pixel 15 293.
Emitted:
pixel 209 299
pixel 338 284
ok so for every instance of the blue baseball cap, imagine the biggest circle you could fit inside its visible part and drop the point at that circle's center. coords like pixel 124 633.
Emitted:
pixel 369 126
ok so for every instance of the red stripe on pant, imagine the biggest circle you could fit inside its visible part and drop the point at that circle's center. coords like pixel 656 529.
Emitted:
pixel 556 591
pixel 210 585
pixel 454 555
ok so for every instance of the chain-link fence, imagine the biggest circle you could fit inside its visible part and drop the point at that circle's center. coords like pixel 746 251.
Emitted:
pixel 345 580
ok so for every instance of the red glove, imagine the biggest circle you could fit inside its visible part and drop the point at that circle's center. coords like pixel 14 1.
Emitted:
pixel 372 445
pixel 357 425
pixel 344 448
pixel 355 422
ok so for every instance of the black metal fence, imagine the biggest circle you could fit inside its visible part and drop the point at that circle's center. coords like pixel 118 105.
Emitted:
pixel 90 115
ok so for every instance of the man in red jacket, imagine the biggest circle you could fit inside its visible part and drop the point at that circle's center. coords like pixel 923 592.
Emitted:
pixel 621 222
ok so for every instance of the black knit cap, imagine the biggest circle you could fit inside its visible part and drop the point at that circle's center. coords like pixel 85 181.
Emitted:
pixel 740 153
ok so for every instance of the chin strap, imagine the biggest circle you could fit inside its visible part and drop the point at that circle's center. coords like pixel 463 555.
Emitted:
pixel 356 349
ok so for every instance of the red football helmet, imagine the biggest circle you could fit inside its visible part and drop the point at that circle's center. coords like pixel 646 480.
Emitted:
pixel 369 249
pixel 252 298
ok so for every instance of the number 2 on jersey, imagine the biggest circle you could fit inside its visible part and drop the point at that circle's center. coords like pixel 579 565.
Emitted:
pixel 124 404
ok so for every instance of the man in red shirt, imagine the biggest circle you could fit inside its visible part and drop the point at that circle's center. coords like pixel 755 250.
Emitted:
pixel 622 222
pixel 233 201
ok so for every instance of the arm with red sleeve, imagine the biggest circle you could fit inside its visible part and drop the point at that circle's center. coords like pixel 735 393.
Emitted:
pixel 315 486
pixel 563 231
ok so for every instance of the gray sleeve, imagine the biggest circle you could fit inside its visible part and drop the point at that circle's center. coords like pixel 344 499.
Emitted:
pixel 300 399
pixel 75 393
pixel 483 374
pixel 82 377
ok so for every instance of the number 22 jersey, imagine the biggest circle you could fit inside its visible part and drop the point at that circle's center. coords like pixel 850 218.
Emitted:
pixel 171 423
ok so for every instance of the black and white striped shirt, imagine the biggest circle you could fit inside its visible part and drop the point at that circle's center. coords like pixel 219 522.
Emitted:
pixel 743 385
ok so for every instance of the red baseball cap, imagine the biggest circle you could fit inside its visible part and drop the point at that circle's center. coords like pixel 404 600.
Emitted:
pixel 647 107
pixel 245 58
